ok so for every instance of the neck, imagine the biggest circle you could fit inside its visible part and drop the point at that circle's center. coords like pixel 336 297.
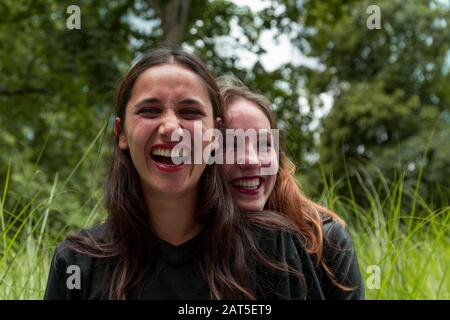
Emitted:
pixel 173 216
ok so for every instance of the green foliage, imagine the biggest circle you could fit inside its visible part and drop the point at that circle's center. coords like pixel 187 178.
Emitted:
pixel 391 86
pixel 409 245
pixel 385 141
pixel 56 93
pixel 411 251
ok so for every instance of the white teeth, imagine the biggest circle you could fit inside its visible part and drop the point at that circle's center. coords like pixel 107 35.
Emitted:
pixel 247 183
pixel 164 152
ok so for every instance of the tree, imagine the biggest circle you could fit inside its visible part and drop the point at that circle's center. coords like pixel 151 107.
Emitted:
pixel 57 85
pixel 391 87
pixel 206 23
pixel 56 92
pixel 174 17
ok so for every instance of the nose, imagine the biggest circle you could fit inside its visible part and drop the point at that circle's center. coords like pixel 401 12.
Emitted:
pixel 169 123
pixel 248 158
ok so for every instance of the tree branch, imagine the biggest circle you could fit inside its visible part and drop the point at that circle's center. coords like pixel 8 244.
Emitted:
pixel 174 16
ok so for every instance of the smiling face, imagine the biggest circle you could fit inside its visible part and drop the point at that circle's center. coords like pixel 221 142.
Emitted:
pixel 249 188
pixel 165 99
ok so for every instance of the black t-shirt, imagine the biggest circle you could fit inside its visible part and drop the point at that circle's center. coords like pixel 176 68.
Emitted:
pixel 340 258
pixel 178 275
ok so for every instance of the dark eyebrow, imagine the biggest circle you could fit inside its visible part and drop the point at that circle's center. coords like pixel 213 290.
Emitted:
pixel 190 102
pixel 147 101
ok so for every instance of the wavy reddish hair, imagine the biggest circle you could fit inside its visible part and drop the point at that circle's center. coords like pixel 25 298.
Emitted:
pixel 287 197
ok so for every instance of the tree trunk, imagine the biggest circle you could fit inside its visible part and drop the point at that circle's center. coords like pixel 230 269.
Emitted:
pixel 174 15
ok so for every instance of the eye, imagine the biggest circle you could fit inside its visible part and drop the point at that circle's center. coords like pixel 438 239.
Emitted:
pixel 149 111
pixel 191 113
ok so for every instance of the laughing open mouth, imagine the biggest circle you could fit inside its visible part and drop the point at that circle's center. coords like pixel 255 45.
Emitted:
pixel 164 156
pixel 247 184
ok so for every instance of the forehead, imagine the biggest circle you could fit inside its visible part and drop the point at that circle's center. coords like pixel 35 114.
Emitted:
pixel 170 79
pixel 243 113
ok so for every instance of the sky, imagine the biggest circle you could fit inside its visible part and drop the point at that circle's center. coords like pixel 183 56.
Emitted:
pixel 278 53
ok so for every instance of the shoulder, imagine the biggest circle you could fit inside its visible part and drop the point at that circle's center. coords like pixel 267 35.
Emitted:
pixel 336 235
pixel 96 232
pixel 64 253
pixel 73 275
pixel 340 256
pixel 296 279
pixel 277 242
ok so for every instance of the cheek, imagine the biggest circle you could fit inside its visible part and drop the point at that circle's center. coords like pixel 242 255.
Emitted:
pixel 273 163
pixel 228 170
pixel 273 157
pixel 134 140
pixel 138 134
pixel 192 128
pixel 199 140
pixel 270 184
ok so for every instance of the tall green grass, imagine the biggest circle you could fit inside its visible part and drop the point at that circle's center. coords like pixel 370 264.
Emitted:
pixel 409 244
pixel 34 218
pixel 27 243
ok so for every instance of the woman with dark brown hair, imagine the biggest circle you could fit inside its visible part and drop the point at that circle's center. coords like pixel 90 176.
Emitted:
pixel 322 231
pixel 173 230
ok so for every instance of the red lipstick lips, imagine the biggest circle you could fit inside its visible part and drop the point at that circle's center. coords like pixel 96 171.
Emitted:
pixel 161 158
pixel 249 185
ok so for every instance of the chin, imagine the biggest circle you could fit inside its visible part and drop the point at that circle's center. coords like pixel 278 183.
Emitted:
pixel 167 187
pixel 252 206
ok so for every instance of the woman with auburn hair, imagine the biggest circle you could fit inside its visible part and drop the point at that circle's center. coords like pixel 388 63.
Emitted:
pixel 173 230
pixel 323 231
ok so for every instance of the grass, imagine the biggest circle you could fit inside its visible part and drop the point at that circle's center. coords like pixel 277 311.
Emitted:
pixel 409 247
pixel 27 243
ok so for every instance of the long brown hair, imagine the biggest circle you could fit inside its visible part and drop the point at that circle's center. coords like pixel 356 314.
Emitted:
pixel 287 197
pixel 129 242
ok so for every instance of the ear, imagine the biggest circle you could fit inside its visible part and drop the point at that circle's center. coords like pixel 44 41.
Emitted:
pixel 219 123
pixel 122 141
